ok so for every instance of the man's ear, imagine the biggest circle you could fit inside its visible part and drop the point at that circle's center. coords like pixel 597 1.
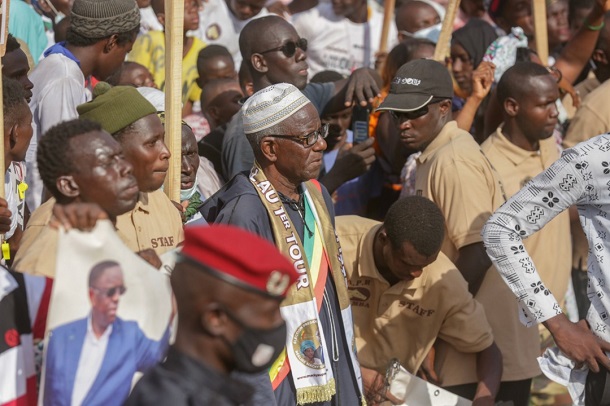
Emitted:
pixel 599 57
pixel 13 136
pixel 259 63
pixel 269 148
pixel 111 43
pixel 445 107
pixel 214 112
pixel 213 320
pixel 511 107
pixel 383 237
pixel 161 18
pixel 67 186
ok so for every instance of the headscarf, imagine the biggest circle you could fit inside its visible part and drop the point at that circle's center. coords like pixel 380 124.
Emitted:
pixel 307 344
pixel 475 37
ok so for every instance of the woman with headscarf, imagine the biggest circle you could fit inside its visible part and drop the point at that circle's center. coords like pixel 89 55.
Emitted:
pixel 472 76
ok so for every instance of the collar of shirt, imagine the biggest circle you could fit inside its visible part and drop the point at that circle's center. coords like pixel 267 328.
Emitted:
pixel 60 48
pixel 446 134
pixel 367 268
pixel 514 153
pixel 91 334
pixel 196 373
pixel 143 201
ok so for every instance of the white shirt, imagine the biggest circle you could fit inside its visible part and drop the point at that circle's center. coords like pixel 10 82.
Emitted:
pixel 582 177
pixel 90 362
pixel 338 44
pixel 217 25
pixel 149 21
pixel 59 87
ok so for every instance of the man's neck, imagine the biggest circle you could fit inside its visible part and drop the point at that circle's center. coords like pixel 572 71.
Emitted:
pixel 282 184
pixel 98 330
pixel 513 133
pixel 359 15
pixel 83 56
pixel 380 262
pixel 201 350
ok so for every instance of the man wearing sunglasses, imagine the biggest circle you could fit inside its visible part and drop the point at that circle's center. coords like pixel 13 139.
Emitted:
pixel 453 172
pixel 279 201
pixel 93 360
pixel 275 53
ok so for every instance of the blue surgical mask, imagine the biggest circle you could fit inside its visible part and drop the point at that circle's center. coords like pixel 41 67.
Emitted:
pixel 186 194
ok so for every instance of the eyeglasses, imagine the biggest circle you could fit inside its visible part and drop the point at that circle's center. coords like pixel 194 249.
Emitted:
pixel 402 116
pixel 289 48
pixel 110 292
pixel 308 140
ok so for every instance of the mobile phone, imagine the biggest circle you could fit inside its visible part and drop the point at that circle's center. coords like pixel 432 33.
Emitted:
pixel 360 123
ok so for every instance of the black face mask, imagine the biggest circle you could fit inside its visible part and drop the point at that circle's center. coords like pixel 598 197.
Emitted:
pixel 256 349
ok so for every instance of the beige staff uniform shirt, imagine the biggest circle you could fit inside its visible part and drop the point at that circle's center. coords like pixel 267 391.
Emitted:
pixel 551 247
pixel 154 223
pixel 38 221
pixel 592 118
pixel 455 174
pixel 403 321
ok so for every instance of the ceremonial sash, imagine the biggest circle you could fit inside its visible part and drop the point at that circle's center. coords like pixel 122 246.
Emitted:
pixel 313 258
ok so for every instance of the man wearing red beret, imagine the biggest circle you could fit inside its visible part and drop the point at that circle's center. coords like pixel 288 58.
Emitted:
pixel 279 201
pixel 216 333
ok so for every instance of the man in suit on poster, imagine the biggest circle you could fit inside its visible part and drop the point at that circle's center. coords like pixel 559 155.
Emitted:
pixel 92 360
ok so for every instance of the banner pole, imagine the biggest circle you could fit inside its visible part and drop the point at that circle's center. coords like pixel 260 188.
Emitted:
pixel 174 23
pixel 388 19
pixel 444 40
pixel 541 34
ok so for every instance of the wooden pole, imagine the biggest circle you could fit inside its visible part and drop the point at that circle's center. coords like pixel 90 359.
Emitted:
pixel 444 40
pixel 541 34
pixel 174 23
pixel 5 4
pixel 388 19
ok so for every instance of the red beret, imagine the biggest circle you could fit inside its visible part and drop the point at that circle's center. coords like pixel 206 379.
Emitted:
pixel 240 258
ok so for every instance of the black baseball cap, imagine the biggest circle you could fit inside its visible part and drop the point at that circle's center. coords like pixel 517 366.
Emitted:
pixel 415 85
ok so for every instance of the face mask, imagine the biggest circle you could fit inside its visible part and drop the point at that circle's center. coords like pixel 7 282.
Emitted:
pixel 186 194
pixel 431 33
pixel 256 349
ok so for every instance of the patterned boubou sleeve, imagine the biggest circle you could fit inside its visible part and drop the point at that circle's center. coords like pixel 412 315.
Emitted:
pixel 573 179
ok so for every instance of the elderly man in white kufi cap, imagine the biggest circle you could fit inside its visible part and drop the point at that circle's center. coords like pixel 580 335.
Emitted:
pixel 280 200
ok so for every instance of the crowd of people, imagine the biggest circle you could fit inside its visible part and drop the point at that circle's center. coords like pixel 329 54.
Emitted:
pixel 344 203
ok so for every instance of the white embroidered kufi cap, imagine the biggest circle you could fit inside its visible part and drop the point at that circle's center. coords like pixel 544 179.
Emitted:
pixel 271 106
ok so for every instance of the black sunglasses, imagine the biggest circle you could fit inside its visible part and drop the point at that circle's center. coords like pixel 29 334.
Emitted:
pixel 289 48
pixel 110 292
pixel 308 140
pixel 402 116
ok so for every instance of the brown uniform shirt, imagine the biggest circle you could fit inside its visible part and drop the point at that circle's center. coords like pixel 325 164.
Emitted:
pixel 154 223
pixel 551 247
pixel 592 118
pixel 403 321
pixel 455 174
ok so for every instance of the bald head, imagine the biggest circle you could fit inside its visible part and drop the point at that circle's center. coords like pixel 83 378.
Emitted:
pixel 213 89
pixel 414 15
pixel 516 81
pixel 258 34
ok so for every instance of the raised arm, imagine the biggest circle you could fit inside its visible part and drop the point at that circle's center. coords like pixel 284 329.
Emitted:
pixel 579 49
pixel 361 87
